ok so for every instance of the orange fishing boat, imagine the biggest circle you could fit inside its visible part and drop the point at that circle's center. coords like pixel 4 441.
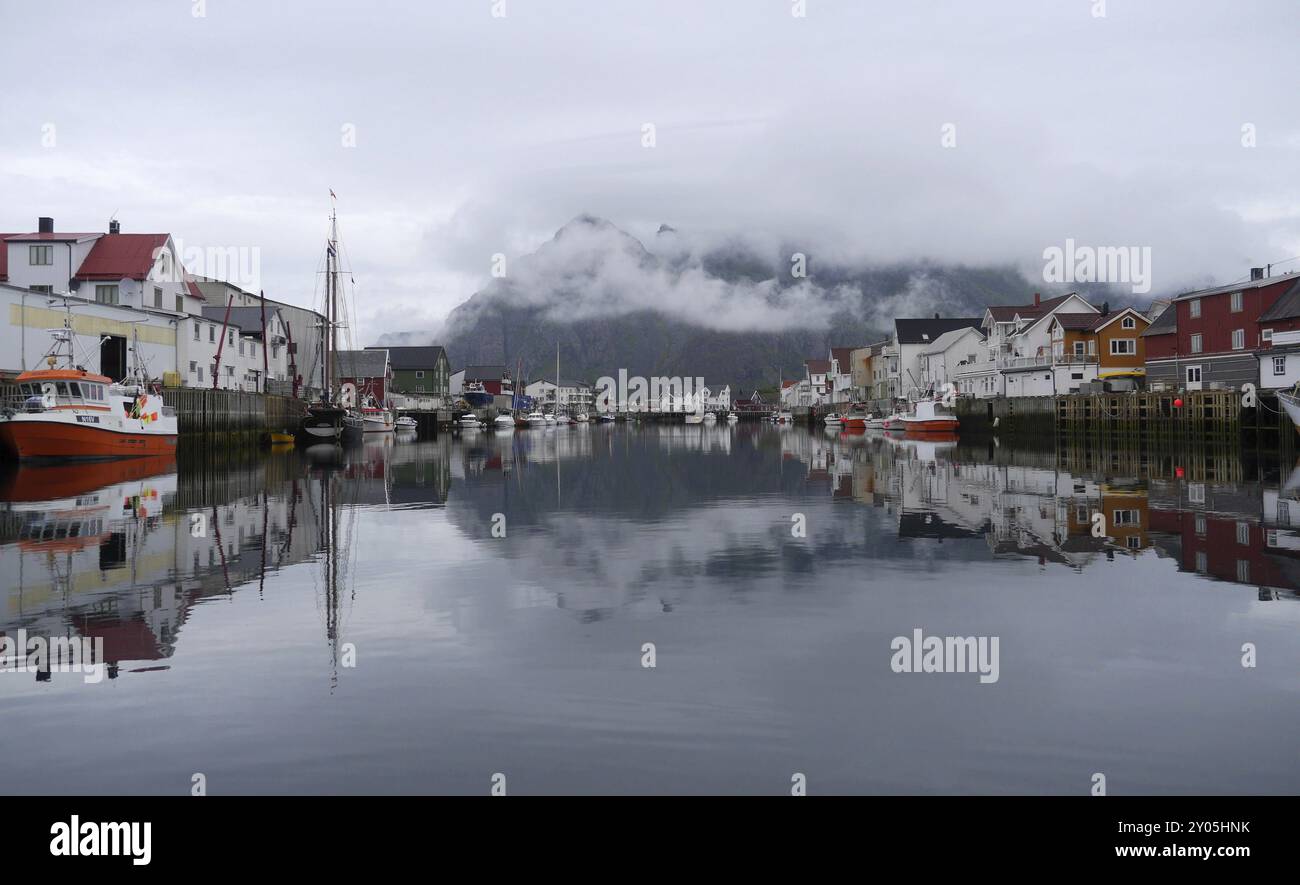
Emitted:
pixel 928 419
pixel 65 412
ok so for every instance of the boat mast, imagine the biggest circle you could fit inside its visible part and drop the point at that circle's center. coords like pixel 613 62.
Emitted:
pixel 331 287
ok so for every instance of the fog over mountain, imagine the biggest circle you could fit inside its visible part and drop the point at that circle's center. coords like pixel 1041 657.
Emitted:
pixel 726 311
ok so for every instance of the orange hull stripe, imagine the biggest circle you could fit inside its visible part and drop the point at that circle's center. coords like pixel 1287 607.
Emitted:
pixel 46 439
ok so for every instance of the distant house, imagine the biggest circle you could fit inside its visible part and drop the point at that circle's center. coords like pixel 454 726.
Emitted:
pixel 1279 352
pixel 841 375
pixel 817 375
pixel 419 371
pixel 792 392
pixel 250 351
pixel 1209 337
pixel 571 395
pixel 911 337
pixel 951 351
pixel 1087 347
pixel 363 376
pixel 1016 359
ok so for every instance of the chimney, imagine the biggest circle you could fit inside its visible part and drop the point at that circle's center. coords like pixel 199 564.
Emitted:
pixel 936 316
pixel 45 225
pixel 114 226
pixel 1105 308
pixel 1038 299
pixel 1256 273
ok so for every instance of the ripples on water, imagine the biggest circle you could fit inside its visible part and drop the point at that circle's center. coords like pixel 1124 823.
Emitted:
pixel 233 597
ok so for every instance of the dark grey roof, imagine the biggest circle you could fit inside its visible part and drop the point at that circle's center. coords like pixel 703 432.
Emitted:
pixel 1164 324
pixel 412 357
pixel 1237 287
pixel 1286 307
pixel 248 320
pixel 362 363
pixel 924 331
pixel 483 373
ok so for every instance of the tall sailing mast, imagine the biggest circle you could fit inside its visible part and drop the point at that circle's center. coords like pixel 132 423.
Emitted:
pixel 331 291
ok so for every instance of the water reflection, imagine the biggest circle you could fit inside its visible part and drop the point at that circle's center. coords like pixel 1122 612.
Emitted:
pixel 498 586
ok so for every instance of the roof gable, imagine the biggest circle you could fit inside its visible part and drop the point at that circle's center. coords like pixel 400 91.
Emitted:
pixel 925 331
pixel 122 256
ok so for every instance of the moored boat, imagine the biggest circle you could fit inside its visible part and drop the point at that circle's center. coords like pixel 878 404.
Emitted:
pixel 66 412
pixel 927 418
pixel 834 419
pixel 504 420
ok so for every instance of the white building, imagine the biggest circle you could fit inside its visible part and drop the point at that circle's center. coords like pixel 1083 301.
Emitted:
pixel 911 338
pixel 573 396
pixel 948 354
pixel 1017 357
pixel 122 287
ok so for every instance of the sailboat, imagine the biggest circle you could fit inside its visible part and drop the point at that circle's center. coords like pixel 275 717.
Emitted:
pixel 331 419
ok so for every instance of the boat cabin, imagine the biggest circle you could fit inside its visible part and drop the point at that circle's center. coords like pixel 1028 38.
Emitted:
pixel 53 388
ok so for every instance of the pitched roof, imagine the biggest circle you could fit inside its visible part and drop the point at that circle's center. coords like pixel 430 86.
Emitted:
pixel 1076 322
pixel 564 382
pixel 924 331
pixel 785 384
pixel 248 320
pixel 482 373
pixel 817 367
pixel 1005 313
pixel 1165 324
pixel 949 338
pixel 362 363
pixel 121 256
pixel 48 237
pixel 422 357
pixel 1286 307
pixel 844 355
pixel 1238 287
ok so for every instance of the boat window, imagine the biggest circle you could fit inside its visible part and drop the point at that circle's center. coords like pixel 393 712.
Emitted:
pixel 74 389
pixel 61 387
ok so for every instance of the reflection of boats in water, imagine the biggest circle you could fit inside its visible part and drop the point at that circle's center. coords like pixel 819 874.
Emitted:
pixel 53 481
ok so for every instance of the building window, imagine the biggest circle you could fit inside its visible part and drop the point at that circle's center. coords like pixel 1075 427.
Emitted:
pixel 180 304
pixel 1236 302
pixel 1123 346
pixel 1279 365
pixel 200 374
pixel 419 374
pixel 1128 323
pixel 1193 374
pixel 1124 517
pixel 241 346
pixel 1196 340
pixel 194 367
pixel 1134 542
pixel 1238 339
pixel 230 338
pixel 44 290
pixel 1194 308
pixel 1243 571
pixel 196 331
pixel 40 255
pixel 1243 533
pixel 1266 335
pixel 212 334
pixel 106 293
pixel 1202 562
pixel 157 297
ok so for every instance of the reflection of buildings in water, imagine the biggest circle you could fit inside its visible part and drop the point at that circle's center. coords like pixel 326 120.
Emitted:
pixel 125 561
pixel 938 492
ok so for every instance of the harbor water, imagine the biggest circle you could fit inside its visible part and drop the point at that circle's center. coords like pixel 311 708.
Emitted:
pixel 630 608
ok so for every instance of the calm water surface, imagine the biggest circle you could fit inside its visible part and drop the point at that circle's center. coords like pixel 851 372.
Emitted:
pixel 232 597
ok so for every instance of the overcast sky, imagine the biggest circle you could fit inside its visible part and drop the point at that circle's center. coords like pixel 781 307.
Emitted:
pixel 477 134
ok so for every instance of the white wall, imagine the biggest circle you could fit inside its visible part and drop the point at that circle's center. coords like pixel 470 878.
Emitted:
pixel 27 317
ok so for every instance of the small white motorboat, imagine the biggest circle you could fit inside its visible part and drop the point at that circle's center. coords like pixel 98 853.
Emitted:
pixel 834 419
pixel 505 420
pixel 561 418
pixel 582 418
pixel 469 420
pixel 710 418
pixel 406 422
pixel 732 417
pixel 536 419
pixel 607 417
